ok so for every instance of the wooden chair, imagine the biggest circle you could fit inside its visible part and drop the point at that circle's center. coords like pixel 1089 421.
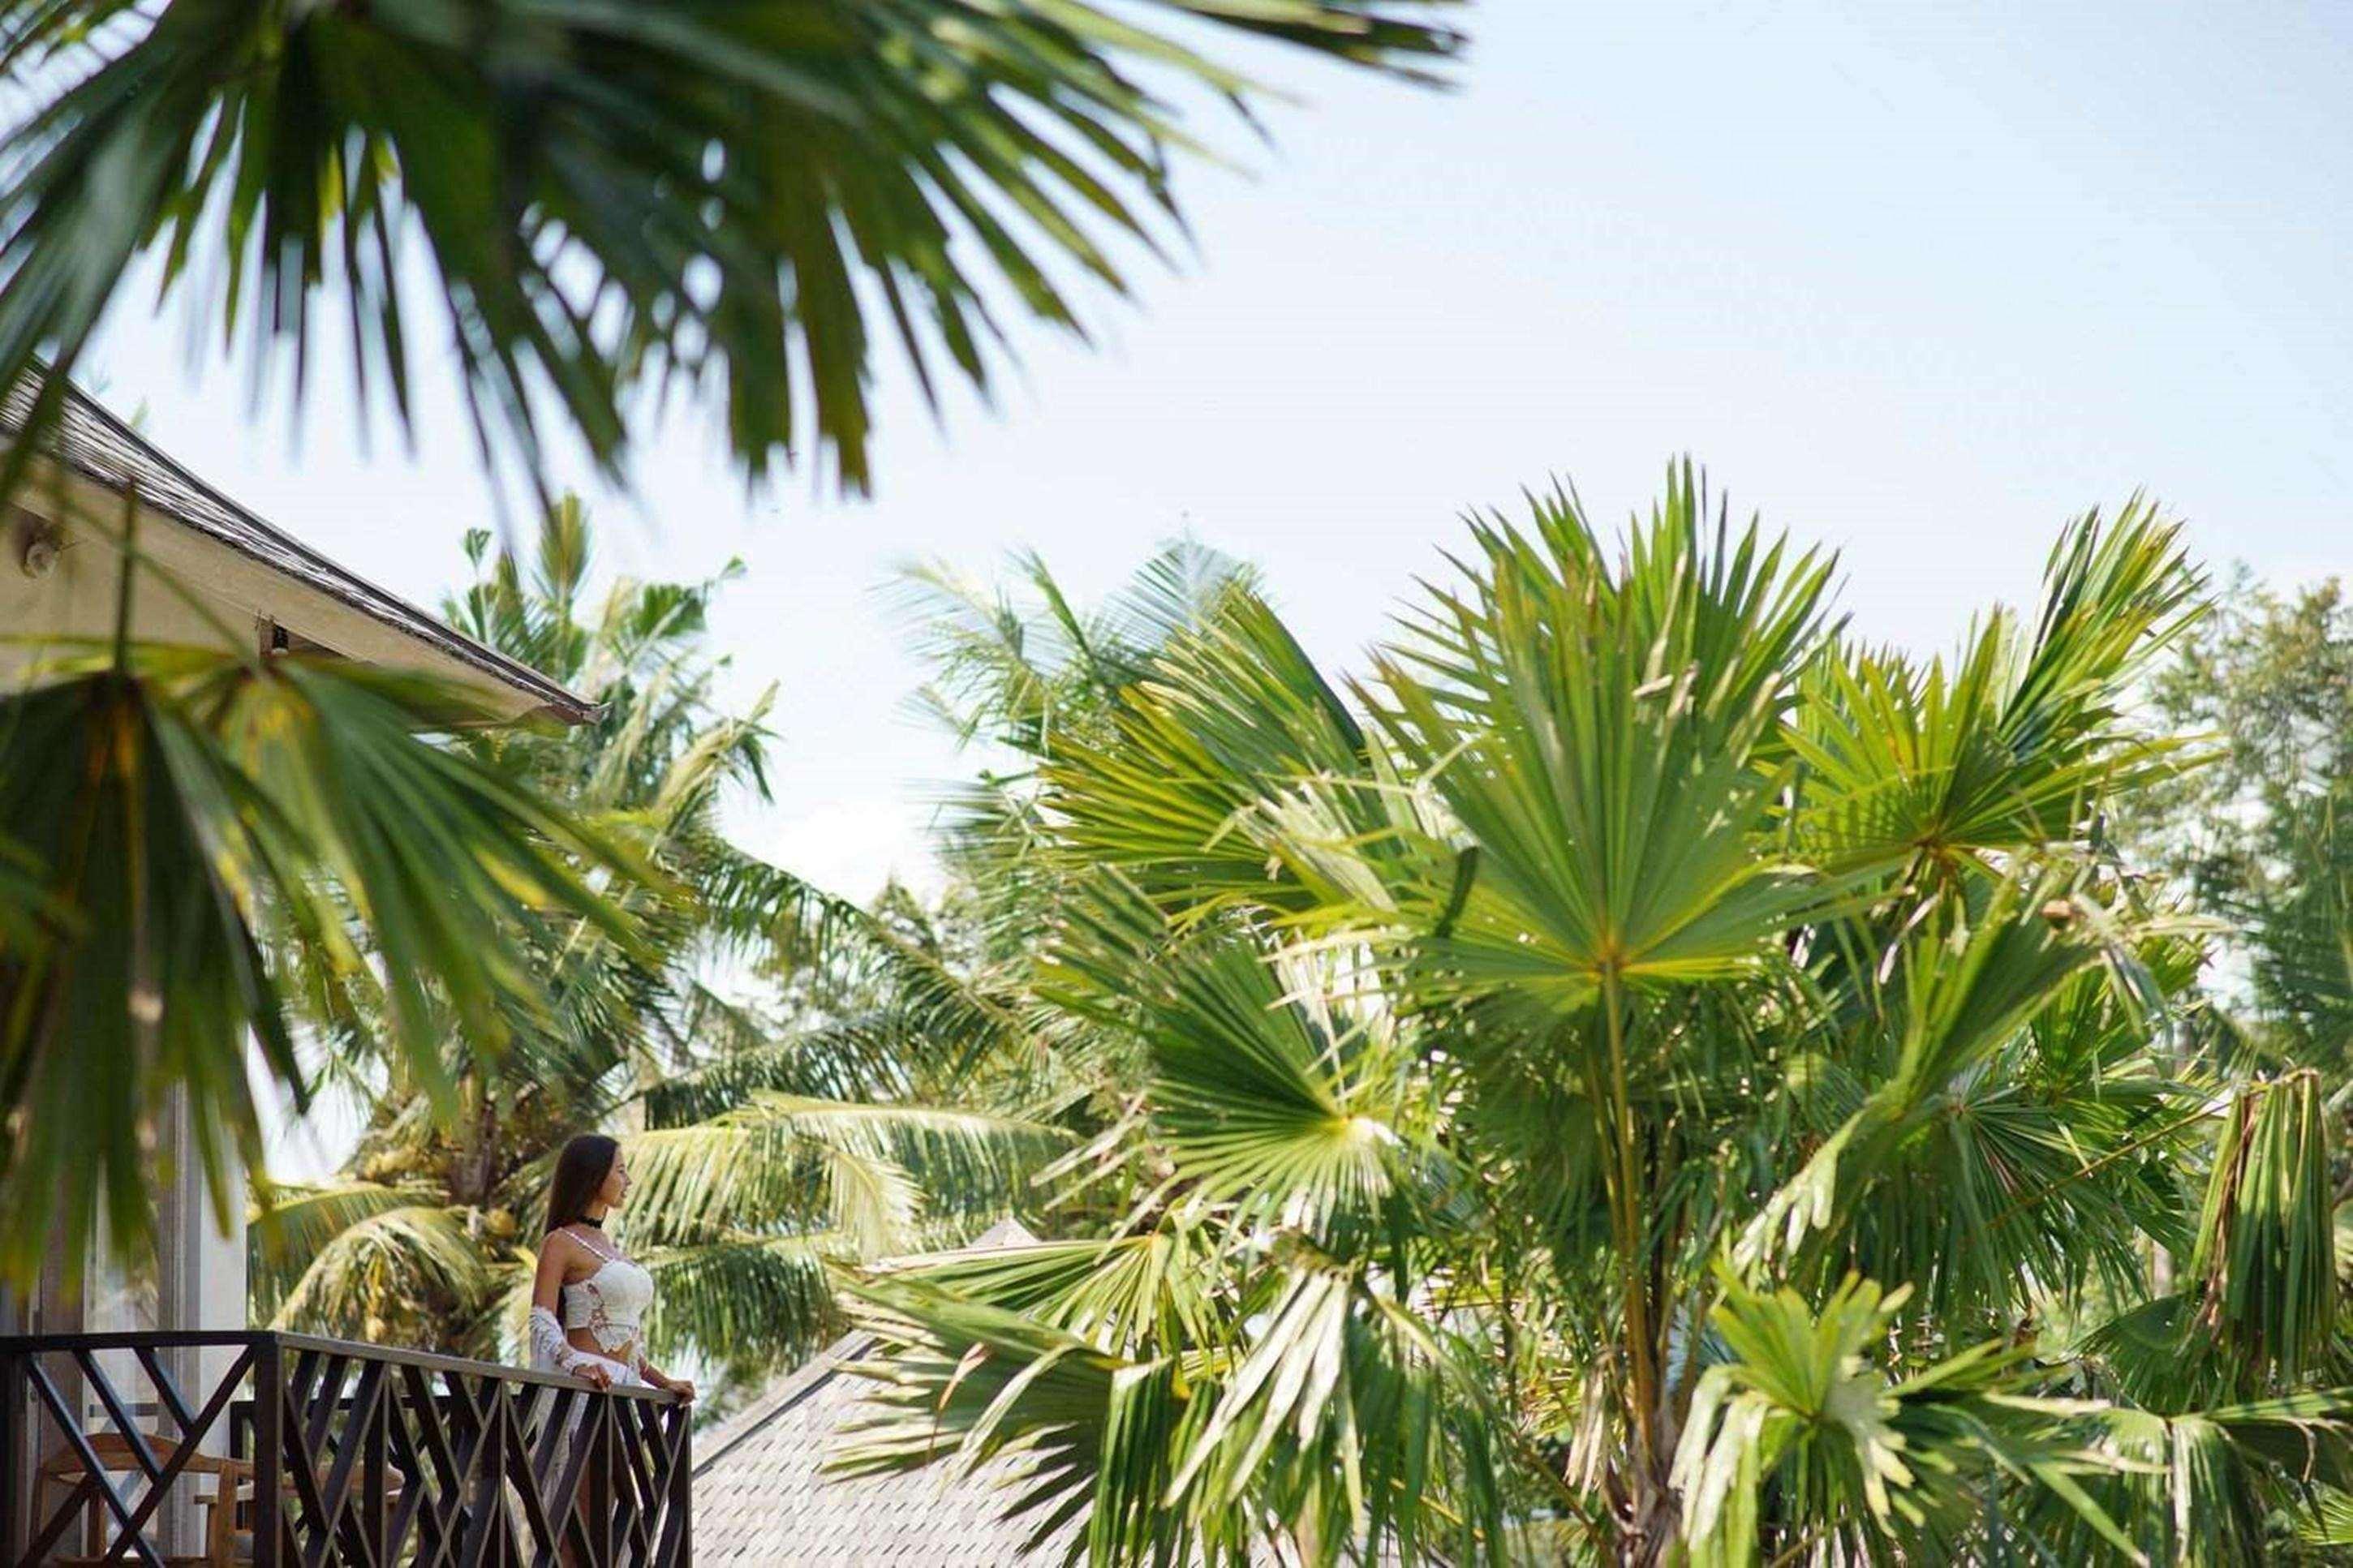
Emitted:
pixel 228 1529
pixel 113 1452
pixel 239 1509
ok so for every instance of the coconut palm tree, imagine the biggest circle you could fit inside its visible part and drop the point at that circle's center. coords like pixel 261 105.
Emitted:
pixel 596 201
pixel 782 1063
pixel 1645 1076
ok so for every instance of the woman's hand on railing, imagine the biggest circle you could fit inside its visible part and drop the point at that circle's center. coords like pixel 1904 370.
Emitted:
pixel 595 1373
pixel 676 1388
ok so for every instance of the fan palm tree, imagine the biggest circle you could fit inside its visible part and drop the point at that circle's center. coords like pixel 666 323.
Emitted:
pixel 1646 1075
pixel 599 200
pixel 796 1115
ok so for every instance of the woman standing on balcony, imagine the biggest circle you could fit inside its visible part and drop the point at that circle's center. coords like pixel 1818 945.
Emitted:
pixel 590 1299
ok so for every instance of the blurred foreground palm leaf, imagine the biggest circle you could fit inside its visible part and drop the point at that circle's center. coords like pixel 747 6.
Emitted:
pixel 610 199
pixel 188 819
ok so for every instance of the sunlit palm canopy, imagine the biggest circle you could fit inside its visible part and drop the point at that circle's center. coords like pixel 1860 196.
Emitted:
pixel 1646 1076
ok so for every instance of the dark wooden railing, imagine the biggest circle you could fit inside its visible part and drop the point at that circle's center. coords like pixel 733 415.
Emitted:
pixel 274 1449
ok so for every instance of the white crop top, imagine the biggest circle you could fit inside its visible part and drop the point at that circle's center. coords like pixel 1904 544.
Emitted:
pixel 611 1304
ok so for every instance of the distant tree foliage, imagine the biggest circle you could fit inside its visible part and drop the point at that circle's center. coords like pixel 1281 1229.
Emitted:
pixel 2263 838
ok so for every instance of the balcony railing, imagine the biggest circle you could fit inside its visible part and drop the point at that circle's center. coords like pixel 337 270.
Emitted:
pixel 274 1449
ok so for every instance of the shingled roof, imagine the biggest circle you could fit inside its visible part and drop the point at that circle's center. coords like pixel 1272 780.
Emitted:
pixel 761 1496
pixel 102 450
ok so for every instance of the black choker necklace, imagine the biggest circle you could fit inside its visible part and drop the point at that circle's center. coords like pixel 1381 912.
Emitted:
pixel 592 1223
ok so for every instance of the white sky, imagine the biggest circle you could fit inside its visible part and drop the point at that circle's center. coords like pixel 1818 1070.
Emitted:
pixel 1918 279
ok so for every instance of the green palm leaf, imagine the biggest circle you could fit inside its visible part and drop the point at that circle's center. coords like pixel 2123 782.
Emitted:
pixel 291 1224
pixel 1798 1444
pixel 1233 773
pixel 756 1299
pixel 1599 738
pixel 2012 747
pixel 1969 980
pixel 1157 1289
pixel 2266 1253
pixel 379 1270
pixel 1339 1408
pixel 750 903
pixel 190 810
pixel 1265 1103
pixel 860 1169
pixel 610 197
pixel 2195 1488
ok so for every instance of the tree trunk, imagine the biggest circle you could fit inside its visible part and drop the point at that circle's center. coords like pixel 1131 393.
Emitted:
pixel 477 1172
pixel 1649 1514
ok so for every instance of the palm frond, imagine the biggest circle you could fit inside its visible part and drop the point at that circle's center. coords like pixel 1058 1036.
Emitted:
pixel 1968 982
pixel 728 199
pixel 865 1171
pixel 1798 1443
pixel 1153 1291
pixel 854 1059
pixel 190 808
pixel 1233 771
pixel 1275 1095
pixel 374 1278
pixel 756 1299
pixel 1339 1410
pixel 2197 1488
pixel 1597 736
pixel 965 1382
pixel 2266 1254
pixel 2013 746
pixel 802 925
pixel 292 1223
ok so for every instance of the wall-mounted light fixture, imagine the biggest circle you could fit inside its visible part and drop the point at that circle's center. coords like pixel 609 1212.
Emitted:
pixel 38 546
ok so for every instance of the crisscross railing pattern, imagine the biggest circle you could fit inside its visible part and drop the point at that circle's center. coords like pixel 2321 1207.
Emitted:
pixel 313 1451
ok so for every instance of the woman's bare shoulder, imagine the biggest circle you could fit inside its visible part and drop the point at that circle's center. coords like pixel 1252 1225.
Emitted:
pixel 565 1245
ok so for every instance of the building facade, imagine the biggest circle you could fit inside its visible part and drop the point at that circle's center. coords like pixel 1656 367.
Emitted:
pixel 212 573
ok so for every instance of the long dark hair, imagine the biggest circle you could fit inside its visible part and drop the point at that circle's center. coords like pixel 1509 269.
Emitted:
pixel 580 1171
